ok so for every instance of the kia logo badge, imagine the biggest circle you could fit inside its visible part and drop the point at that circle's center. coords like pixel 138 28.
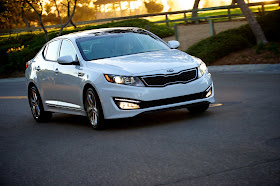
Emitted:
pixel 170 70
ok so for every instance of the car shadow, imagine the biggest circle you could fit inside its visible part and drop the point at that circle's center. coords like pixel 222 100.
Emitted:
pixel 141 121
pixel 154 120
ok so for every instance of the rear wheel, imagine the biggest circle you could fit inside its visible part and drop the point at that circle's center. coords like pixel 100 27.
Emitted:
pixel 93 109
pixel 36 106
pixel 198 108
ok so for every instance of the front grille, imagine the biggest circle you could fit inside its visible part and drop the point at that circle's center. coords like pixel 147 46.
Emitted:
pixel 154 103
pixel 163 79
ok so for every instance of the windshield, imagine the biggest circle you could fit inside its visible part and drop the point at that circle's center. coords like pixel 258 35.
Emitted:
pixel 113 45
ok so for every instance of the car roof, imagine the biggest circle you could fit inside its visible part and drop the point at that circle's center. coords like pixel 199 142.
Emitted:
pixel 103 31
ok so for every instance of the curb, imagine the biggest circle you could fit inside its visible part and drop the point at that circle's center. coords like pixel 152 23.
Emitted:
pixel 246 68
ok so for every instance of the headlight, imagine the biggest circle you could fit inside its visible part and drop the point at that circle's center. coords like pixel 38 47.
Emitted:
pixel 124 80
pixel 202 69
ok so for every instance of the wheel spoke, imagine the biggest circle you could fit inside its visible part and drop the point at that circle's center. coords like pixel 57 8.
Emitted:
pixel 34 95
pixel 38 110
pixel 90 111
pixel 89 100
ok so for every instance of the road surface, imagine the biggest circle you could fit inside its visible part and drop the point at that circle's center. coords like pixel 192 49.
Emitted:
pixel 237 141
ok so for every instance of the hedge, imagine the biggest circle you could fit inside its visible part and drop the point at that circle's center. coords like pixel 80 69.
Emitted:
pixel 222 44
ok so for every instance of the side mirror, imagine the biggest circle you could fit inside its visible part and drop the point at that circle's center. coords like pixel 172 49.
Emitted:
pixel 66 60
pixel 173 44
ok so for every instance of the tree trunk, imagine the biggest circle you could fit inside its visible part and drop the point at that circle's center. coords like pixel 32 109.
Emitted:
pixel 68 14
pixel 254 25
pixel 40 19
pixel 24 18
pixel 195 7
pixel 69 19
pixel 43 27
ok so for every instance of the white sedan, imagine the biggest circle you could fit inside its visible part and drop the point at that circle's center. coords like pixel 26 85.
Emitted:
pixel 115 73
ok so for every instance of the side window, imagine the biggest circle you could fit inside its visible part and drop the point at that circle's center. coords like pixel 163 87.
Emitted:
pixel 67 49
pixel 52 49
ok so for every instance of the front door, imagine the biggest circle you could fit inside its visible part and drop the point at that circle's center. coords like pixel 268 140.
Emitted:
pixel 68 83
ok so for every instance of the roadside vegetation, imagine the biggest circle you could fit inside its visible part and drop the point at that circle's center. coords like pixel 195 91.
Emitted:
pixel 255 9
pixel 17 49
pixel 213 48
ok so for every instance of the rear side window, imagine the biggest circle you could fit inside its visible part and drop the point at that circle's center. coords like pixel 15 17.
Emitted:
pixel 52 50
pixel 67 49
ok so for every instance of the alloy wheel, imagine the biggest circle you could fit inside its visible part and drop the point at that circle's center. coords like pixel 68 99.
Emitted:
pixel 92 109
pixel 35 103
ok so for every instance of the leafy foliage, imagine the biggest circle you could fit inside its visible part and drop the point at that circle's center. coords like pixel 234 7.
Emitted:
pixel 153 7
pixel 222 44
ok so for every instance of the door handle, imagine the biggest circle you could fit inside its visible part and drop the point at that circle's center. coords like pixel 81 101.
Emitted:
pixel 56 71
pixel 38 68
pixel 80 74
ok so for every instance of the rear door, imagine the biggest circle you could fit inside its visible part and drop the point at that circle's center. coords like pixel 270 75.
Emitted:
pixel 45 70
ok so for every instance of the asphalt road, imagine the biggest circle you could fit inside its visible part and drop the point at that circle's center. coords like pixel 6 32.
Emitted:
pixel 237 141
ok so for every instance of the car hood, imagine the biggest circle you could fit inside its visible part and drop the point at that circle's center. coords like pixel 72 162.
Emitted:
pixel 145 63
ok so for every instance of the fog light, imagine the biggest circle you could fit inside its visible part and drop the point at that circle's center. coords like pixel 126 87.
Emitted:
pixel 209 93
pixel 127 104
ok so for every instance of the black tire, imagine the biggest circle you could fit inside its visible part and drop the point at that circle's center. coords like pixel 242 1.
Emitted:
pixel 198 108
pixel 36 106
pixel 93 109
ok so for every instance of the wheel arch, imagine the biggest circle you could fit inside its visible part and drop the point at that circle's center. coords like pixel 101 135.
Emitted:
pixel 88 85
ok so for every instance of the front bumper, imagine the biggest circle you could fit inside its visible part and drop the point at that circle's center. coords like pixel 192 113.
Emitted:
pixel 154 98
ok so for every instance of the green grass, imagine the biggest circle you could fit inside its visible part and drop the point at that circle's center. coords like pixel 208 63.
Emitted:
pixel 222 44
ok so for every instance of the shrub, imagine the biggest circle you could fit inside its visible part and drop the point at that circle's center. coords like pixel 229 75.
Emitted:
pixel 222 44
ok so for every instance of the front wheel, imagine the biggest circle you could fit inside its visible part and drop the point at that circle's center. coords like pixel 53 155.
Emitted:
pixel 198 108
pixel 37 109
pixel 93 109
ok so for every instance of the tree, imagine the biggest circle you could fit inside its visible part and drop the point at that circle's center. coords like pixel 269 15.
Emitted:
pixel 68 6
pixel 195 7
pixel 23 15
pixel 37 6
pixel 68 12
pixel 12 14
pixel 153 7
pixel 254 25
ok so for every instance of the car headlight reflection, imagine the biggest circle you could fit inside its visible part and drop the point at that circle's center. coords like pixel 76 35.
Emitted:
pixel 202 69
pixel 124 80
